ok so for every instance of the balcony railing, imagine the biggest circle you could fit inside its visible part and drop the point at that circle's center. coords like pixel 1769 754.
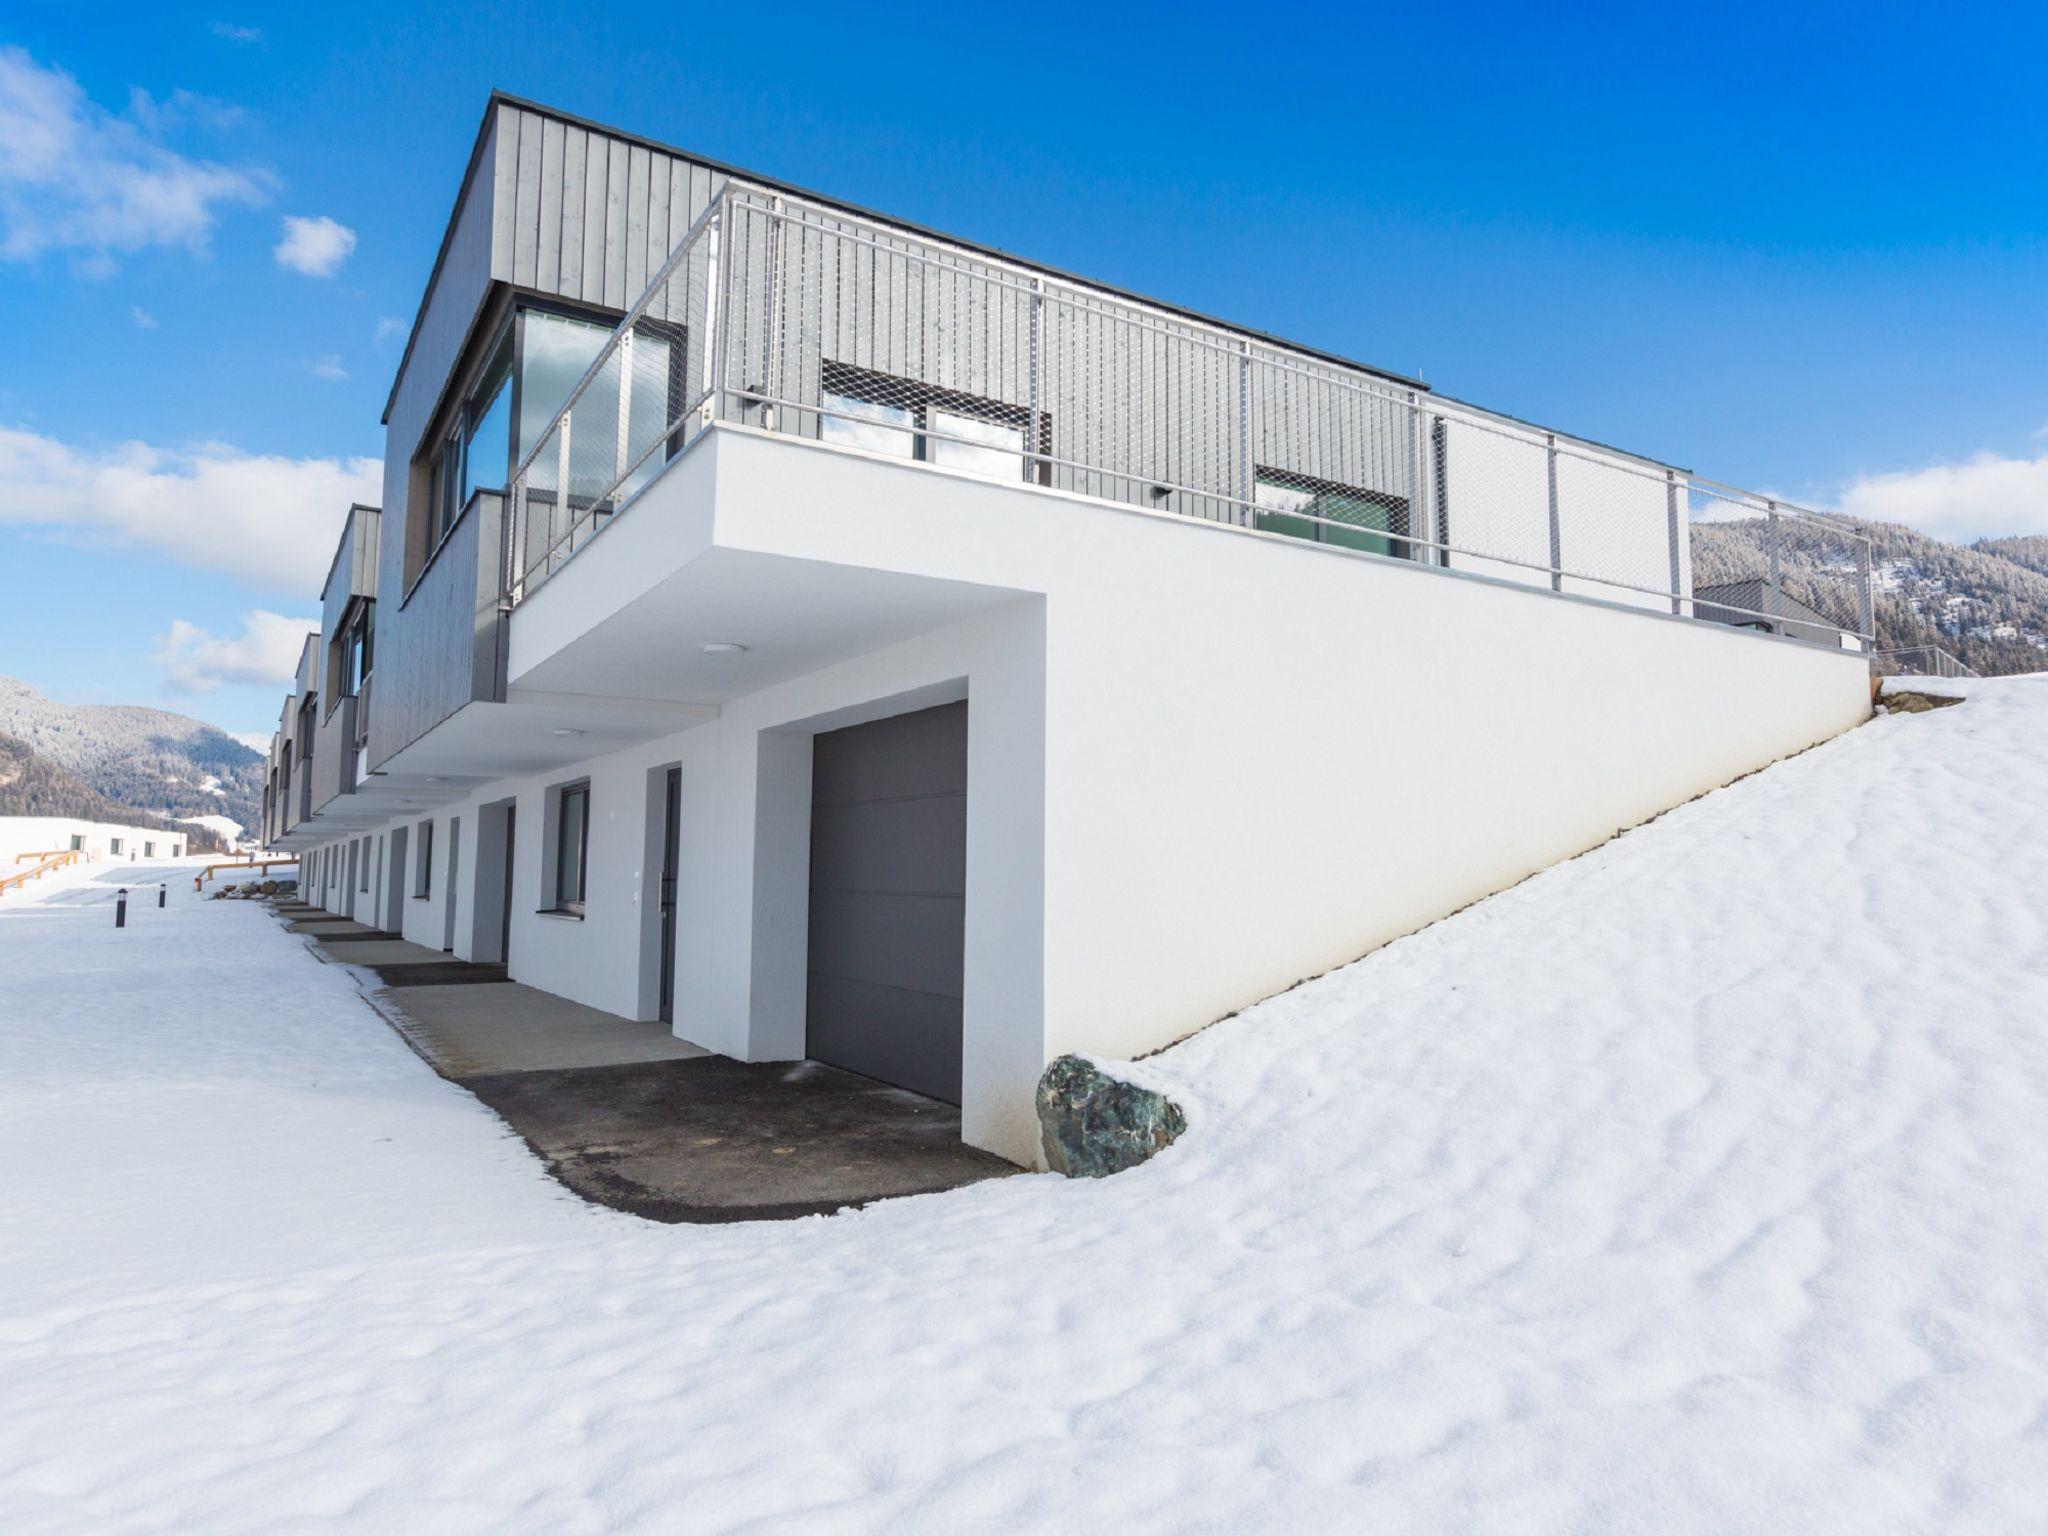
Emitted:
pixel 1919 661
pixel 785 315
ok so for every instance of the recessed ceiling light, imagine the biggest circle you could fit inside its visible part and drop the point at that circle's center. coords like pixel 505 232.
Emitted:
pixel 563 730
pixel 724 648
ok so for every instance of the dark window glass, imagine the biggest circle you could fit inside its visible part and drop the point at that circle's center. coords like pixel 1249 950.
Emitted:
pixel 487 448
pixel 572 838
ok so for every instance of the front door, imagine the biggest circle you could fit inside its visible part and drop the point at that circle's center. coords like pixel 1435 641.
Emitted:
pixel 671 853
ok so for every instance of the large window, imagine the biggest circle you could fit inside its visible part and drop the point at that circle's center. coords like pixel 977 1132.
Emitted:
pixel 883 414
pixel 475 451
pixel 1324 512
pixel 572 847
pixel 555 352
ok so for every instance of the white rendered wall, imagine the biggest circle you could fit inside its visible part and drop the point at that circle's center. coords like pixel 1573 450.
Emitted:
pixel 1203 764
pixel 1264 758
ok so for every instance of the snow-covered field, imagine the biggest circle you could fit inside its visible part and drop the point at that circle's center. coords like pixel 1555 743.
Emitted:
pixel 1700 1185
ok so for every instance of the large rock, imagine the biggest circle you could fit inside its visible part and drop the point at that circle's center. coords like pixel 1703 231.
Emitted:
pixel 1094 1125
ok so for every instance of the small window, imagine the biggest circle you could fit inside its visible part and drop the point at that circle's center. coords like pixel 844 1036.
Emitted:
pixel 78 842
pixel 113 845
pixel 884 414
pixel 1325 512
pixel 149 850
pixel 572 847
pixel 363 859
pixel 423 876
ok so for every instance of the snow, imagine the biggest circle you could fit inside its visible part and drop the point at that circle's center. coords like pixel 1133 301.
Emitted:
pixel 229 829
pixel 1693 1186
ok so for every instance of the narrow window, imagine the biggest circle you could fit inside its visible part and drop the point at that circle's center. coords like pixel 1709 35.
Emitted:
pixel 113 845
pixel 572 847
pixel 423 879
pixel 149 850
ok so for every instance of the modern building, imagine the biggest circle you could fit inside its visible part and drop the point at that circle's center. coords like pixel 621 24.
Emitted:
pixel 840 640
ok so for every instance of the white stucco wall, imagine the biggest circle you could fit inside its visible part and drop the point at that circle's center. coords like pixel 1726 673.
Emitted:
pixel 1203 763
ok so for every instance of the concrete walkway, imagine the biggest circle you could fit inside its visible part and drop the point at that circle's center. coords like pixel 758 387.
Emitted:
pixel 629 1116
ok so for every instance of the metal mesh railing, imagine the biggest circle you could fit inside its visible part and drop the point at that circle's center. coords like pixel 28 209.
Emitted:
pixel 784 315
pixel 1919 661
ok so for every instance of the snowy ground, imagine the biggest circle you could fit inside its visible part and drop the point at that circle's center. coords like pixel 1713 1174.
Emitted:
pixel 1695 1186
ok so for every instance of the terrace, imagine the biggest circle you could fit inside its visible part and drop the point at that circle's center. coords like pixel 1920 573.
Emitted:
pixel 793 318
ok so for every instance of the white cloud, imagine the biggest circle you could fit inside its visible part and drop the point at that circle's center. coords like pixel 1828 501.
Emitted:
pixel 144 320
pixel 266 651
pixel 255 741
pixel 229 32
pixel 388 328
pixel 1984 497
pixel 76 178
pixel 263 518
pixel 182 109
pixel 326 366
pixel 316 247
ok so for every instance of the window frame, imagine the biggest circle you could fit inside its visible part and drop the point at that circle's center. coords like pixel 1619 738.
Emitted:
pixel 890 391
pixel 1398 535
pixel 423 866
pixel 560 900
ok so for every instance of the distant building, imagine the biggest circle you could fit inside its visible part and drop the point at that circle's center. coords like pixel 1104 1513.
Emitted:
pixel 97 840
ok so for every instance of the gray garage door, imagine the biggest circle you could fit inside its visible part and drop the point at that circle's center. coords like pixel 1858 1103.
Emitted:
pixel 889 897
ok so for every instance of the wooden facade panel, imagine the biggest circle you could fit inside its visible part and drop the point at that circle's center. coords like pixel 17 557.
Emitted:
pixel 526 215
pixel 638 190
pixel 596 172
pixel 548 269
pixel 612 290
pixel 575 152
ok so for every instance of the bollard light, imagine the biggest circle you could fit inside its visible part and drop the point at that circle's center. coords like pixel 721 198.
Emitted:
pixel 159 893
pixel 121 908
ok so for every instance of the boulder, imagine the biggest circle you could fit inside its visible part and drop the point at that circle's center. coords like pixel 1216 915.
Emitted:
pixel 1093 1125
pixel 268 888
pixel 1901 701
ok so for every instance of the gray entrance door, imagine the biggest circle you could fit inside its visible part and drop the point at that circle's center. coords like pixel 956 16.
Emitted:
pixel 889 898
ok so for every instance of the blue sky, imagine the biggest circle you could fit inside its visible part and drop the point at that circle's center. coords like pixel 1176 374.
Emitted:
pixel 1799 249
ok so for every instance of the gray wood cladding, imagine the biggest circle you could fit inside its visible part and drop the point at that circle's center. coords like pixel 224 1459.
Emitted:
pixel 439 650
pixel 583 216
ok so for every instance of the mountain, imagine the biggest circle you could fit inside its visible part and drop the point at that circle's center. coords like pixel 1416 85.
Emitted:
pixel 1986 604
pixel 32 785
pixel 152 760
pixel 2030 550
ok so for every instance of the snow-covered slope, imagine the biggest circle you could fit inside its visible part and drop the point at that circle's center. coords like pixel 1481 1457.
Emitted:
pixel 1694 1186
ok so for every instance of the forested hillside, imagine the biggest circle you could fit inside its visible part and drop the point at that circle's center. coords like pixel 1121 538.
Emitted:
pixel 1987 604
pixel 32 785
pixel 150 759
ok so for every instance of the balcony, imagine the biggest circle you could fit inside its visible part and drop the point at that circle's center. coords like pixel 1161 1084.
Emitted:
pixel 792 319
